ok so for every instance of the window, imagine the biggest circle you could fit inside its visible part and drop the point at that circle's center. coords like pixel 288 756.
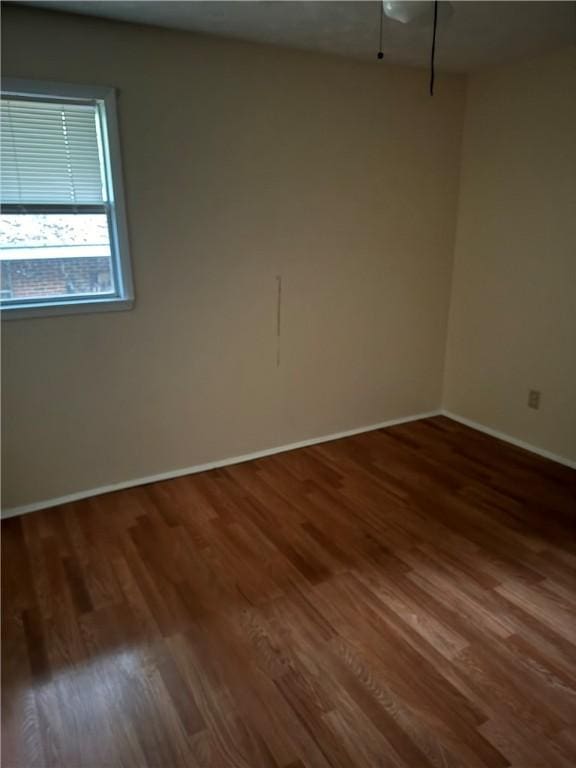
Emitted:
pixel 63 237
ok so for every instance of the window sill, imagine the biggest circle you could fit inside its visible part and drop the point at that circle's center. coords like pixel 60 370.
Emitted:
pixel 22 311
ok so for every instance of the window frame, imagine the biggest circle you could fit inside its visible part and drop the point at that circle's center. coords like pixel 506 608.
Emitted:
pixel 123 299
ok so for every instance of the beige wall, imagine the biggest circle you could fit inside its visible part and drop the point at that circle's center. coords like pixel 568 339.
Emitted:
pixel 241 162
pixel 513 314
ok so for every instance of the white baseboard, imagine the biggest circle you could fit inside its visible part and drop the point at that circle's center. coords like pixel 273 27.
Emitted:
pixel 510 439
pixel 25 508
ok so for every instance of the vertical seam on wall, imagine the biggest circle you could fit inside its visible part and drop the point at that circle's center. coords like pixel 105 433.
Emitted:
pixel 278 317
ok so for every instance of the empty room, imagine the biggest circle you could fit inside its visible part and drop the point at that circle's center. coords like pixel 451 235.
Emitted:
pixel 288 299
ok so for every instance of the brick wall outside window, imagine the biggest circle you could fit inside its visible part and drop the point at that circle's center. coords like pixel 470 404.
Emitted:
pixel 56 277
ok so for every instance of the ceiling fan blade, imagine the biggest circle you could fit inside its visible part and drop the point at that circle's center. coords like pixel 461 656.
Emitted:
pixel 416 12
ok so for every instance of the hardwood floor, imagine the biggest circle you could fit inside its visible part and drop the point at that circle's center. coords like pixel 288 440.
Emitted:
pixel 406 597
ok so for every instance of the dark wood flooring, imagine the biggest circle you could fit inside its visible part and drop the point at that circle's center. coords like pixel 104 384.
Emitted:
pixel 402 598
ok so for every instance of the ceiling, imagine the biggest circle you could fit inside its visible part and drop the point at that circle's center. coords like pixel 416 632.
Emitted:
pixel 478 34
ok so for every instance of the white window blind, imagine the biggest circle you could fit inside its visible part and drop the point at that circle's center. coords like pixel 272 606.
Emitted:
pixel 50 153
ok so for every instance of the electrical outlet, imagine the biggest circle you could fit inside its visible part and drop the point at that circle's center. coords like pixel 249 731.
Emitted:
pixel 534 399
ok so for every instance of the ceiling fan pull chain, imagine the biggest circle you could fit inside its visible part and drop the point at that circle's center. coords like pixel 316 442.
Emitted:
pixel 380 51
pixel 433 53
